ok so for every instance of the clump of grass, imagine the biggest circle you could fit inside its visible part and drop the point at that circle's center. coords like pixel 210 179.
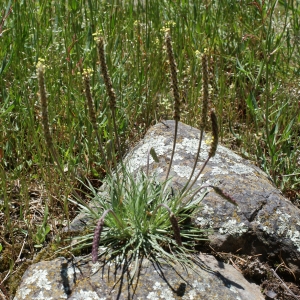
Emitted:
pixel 138 218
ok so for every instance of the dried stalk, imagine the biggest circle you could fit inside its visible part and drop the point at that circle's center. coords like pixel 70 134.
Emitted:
pixel 176 116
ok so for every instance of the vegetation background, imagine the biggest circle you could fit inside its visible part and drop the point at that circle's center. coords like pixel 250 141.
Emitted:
pixel 254 72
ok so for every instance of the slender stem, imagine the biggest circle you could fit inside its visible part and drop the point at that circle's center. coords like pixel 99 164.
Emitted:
pixel 212 150
pixel 195 163
pixel 92 115
pixel 173 149
pixel 47 134
pixel 194 181
pixel 203 115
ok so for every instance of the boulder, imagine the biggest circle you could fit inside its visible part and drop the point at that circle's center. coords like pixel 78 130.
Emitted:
pixel 81 279
pixel 264 222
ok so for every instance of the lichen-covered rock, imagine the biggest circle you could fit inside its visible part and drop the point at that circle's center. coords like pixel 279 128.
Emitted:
pixel 263 223
pixel 80 279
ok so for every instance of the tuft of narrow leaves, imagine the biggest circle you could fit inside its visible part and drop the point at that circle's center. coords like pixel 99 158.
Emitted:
pixel 128 218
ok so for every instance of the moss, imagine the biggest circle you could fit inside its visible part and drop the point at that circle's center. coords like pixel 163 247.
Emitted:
pixel 49 252
pixel 8 255
pixel 14 280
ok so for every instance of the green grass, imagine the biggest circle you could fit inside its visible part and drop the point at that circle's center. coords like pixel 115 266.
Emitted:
pixel 254 87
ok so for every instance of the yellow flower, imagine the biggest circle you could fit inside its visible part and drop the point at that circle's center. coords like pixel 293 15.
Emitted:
pixel 40 65
pixel 171 23
pixel 87 71
pixel 97 34
pixel 165 29
pixel 208 140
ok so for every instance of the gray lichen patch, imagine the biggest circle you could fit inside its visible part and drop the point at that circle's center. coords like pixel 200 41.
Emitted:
pixel 138 159
pixel 197 287
pixel 38 281
pixel 232 227
pixel 205 222
pixel 294 236
pixel 285 228
pixel 186 150
pixel 160 291
pixel 185 172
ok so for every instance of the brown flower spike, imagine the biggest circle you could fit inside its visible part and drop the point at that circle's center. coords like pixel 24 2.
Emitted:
pixel 98 231
pixel 215 134
pixel 224 195
pixel 173 221
pixel 110 91
pixel 104 71
pixel 205 92
pixel 176 229
pixel 173 68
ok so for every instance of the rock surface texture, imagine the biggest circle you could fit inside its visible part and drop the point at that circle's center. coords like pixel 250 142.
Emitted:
pixel 80 279
pixel 264 223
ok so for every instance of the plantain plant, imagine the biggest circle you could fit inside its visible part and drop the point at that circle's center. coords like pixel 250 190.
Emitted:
pixel 136 215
